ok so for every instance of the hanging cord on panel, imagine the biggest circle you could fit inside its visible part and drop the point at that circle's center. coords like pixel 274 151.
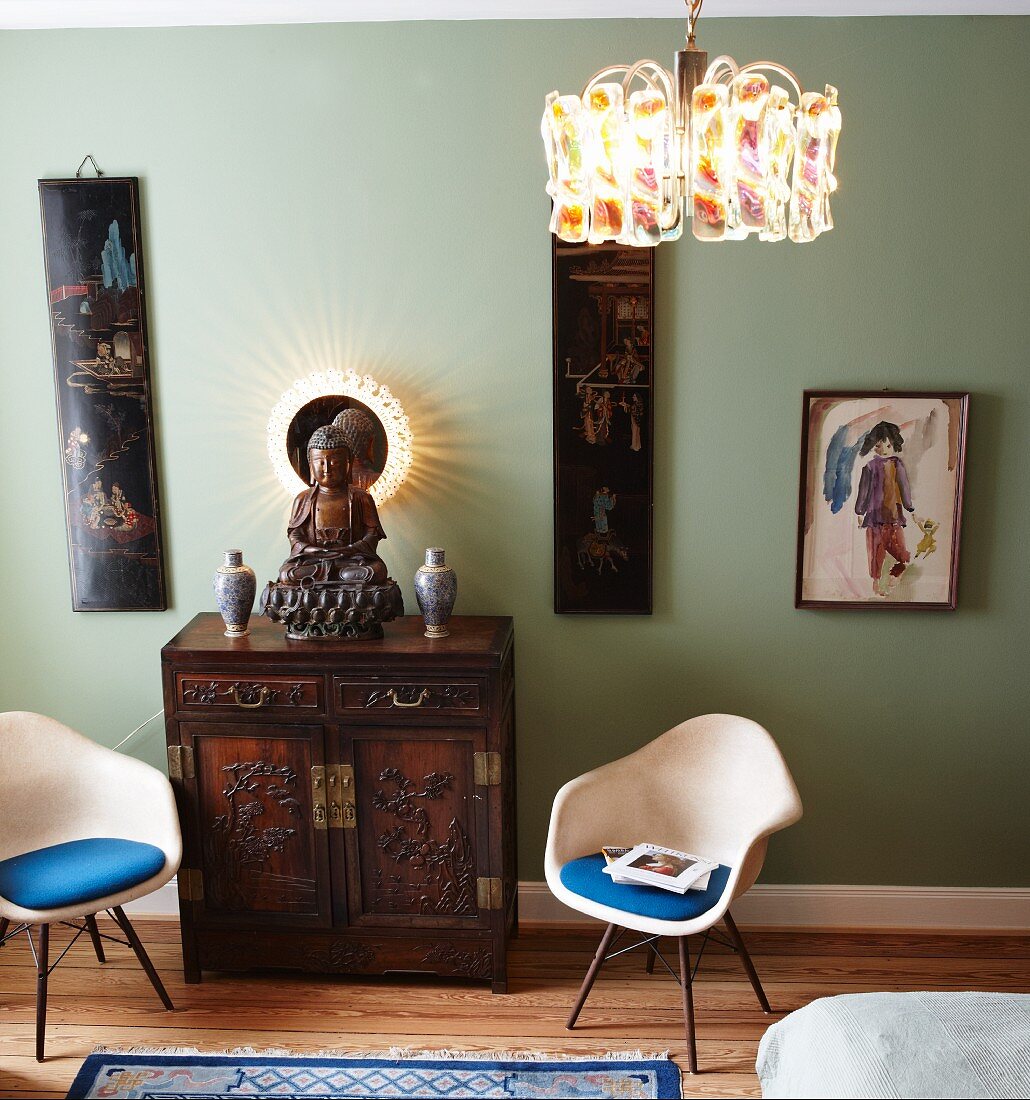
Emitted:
pixel 96 167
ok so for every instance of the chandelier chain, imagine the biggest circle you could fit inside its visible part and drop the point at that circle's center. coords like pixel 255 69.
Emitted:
pixel 693 14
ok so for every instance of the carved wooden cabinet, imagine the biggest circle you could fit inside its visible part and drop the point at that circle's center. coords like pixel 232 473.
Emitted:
pixel 345 806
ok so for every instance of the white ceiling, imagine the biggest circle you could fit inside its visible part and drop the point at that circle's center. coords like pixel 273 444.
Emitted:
pixel 24 14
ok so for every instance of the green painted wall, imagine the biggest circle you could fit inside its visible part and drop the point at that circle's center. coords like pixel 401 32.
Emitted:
pixel 306 208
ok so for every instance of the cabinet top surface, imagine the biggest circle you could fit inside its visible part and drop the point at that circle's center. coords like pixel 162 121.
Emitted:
pixel 472 636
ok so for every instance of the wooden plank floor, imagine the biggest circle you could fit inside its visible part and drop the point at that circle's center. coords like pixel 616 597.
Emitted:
pixel 114 1005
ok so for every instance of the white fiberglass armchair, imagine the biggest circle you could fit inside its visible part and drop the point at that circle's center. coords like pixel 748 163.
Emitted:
pixel 716 786
pixel 82 829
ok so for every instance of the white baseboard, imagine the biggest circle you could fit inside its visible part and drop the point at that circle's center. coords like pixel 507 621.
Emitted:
pixel 949 908
pixel 161 903
pixel 946 908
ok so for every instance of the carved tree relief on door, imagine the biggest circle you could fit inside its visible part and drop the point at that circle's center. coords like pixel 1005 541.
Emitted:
pixel 444 879
pixel 424 863
pixel 244 845
pixel 257 847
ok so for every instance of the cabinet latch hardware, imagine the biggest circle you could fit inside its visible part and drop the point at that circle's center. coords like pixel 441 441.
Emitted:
pixel 350 815
pixel 180 762
pixel 336 800
pixel 486 767
pixel 489 893
pixel 318 799
pixel 191 883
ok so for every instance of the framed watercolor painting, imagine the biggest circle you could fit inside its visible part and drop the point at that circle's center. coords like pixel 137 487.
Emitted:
pixel 98 324
pixel 603 417
pixel 880 499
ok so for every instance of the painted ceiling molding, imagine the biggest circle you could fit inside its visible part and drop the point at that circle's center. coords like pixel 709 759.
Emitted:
pixel 28 14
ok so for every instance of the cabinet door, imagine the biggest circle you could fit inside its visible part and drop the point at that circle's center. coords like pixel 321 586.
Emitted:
pixel 419 839
pixel 263 860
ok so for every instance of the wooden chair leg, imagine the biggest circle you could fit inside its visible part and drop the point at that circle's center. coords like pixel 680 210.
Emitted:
pixel 94 935
pixel 687 984
pixel 649 965
pixel 588 981
pixel 745 958
pixel 141 954
pixel 42 973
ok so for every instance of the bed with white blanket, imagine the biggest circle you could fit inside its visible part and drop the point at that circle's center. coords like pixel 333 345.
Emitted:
pixel 900 1045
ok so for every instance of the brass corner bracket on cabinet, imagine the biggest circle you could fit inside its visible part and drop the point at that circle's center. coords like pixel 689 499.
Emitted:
pixel 486 767
pixel 180 762
pixel 489 893
pixel 190 881
pixel 332 796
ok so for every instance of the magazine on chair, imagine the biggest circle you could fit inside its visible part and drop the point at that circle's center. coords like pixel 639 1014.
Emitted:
pixel 666 868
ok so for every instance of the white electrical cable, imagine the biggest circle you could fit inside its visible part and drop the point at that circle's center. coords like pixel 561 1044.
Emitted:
pixel 138 728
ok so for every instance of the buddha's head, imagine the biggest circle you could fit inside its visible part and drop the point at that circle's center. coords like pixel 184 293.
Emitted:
pixel 329 458
pixel 358 430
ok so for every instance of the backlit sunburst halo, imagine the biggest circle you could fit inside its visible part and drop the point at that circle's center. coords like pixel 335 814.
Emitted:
pixel 370 393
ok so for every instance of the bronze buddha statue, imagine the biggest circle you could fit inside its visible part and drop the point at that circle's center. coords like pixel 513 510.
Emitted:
pixel 333 584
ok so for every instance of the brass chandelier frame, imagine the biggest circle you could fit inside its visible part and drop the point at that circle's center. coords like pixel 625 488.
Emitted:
pixel 690 68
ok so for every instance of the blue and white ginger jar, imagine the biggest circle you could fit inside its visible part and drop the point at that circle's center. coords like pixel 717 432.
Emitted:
pixel 436 589
pixel 235 587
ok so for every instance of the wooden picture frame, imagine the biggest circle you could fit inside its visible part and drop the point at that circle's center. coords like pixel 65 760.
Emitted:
pixel 603 390
pixel 880 499
pixel 96 293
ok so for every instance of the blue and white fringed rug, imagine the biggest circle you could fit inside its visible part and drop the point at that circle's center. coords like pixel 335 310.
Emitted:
pixel 167 1074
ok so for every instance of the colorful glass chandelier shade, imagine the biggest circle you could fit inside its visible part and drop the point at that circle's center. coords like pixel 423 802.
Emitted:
pixel 723 144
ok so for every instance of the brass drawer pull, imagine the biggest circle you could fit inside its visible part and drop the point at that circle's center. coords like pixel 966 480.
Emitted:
pixel 423 696
pixel 263 696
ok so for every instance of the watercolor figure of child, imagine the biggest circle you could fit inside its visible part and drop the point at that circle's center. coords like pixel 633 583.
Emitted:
pixel 884 495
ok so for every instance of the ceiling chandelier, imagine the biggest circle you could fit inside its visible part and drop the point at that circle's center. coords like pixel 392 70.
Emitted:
pixel 643 148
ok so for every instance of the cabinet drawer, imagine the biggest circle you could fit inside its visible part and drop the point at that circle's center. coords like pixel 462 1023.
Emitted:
pixel 271 694
pixel 409 697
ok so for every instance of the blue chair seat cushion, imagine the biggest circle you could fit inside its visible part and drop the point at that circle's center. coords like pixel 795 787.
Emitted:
pixel 77 872
pixel 584 877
